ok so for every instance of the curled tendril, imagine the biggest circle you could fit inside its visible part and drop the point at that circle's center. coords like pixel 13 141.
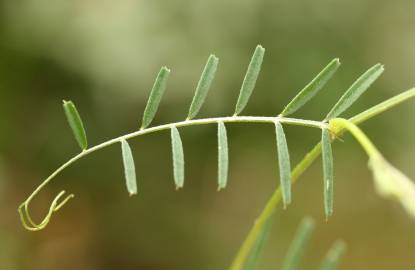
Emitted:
pixel 27 220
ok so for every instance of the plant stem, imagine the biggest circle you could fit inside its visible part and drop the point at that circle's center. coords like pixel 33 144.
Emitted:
pixel 234 119
pixel 384 106
pixel 231 119
pixel 273 203
pixel 243 252
pixel 368 146
pixel 275 199
pixel 270 207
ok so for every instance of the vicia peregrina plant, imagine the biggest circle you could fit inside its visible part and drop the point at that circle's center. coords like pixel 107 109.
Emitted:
pixel 389 181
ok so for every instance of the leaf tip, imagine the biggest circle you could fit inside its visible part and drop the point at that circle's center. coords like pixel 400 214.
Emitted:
pixel 286 203
pixel 259 47
pixel 259 51
pixel 284 206
pixel 327 218
pixel 336 62
pixel 379 67
pixel 214 57
pixel 165 69
pixel 288 200
pixel 309 221
pixel 131 194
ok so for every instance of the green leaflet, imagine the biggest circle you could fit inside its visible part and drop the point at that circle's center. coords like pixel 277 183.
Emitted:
pixel 311 89
pixel 178 157
pixel 155 97
pixel 260 242
pixel 327 156
pixel 129 168
pixel 355 91
pixel 298 245
pixel 284 164
pixel 333 257
pixel 251 76
pixel 75 122
pixel 223 156
pixel 203 86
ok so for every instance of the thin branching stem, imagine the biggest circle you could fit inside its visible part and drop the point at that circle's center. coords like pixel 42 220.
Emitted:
pixel 272 203
pixel 24 207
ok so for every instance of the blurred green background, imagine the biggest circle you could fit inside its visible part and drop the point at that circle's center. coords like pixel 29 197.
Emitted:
pixel 104 55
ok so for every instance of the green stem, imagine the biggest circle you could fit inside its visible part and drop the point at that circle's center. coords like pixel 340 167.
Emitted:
pixel 337 126
pixel 340 123
pixel 382 107
pixel 270 207
pixel 243 252
pixel 24 207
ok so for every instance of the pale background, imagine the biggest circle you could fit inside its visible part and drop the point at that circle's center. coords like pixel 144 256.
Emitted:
pixel 104 55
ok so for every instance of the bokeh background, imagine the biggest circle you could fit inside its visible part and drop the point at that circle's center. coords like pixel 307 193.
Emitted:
pixel 104 55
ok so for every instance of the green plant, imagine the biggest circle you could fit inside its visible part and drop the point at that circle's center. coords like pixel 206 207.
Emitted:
pixel 301 240
pixel 388 180
pixel 298 247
